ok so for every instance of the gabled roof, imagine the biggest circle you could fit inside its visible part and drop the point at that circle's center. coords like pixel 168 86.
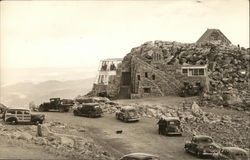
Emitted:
pixel 213 35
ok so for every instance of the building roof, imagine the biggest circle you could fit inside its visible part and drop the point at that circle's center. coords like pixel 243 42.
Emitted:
pixel 213 35
pixel 112 59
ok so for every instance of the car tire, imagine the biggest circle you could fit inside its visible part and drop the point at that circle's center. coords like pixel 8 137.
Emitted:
pixel 126 120
pixel 14 122
pixel 75 113
pixel 41 109
pixel 198 154
pixel 61 110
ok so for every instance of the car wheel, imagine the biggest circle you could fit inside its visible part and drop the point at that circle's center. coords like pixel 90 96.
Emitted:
pixel 37 122
pixel 41 109
pixel 198 154
pixel 14 121
pixel 126 120
pixel 75 113
pixel 61 109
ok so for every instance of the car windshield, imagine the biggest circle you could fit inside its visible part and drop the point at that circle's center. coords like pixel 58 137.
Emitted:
pixel 205 140
pixel 174 123
pixel 132 113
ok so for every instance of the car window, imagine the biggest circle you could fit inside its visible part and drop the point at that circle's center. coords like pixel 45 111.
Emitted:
pixel 225 152
pixel 171 123
pixel 240 155
pixel 11 111
pixel 19 112
pixel 194 140
pixel 132 113
pixel 26 112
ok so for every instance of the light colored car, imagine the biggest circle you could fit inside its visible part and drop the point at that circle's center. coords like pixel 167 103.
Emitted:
pixel 231 153
pixel 127 114
pixel 140 156
pixel 22 115
pixel 202 145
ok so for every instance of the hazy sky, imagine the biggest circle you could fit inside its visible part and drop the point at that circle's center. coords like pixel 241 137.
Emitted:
pixel 80 33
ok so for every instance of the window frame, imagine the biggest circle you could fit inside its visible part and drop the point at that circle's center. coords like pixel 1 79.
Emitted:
pixel 193 71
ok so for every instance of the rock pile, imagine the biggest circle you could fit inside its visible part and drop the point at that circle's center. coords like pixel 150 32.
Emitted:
pixel 227 67
pixel 64 145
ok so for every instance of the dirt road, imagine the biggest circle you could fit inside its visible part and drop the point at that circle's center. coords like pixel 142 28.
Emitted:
pixel 136 137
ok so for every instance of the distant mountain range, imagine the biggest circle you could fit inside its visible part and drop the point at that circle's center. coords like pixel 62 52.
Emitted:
pixel 21 94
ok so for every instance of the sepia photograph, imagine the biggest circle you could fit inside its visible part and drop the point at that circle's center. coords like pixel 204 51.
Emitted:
pixel 124 80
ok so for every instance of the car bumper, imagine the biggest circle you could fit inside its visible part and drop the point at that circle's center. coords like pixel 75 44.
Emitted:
pixel 174 134
pixel 133 119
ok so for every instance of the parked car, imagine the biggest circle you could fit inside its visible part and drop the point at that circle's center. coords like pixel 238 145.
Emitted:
pixel 88 110
pixel 202 145
pixel 127 114
pixel 170 126
pixel 19 115
pixel 139 156
pixel 231 153
pixel 61 105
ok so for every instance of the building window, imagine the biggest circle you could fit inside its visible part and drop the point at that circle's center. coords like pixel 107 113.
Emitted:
pixel 146 90
pixel 138 77
pixel 153 77
pixel 193 71
pixel 146 74
pixel 184 71
pixel 201 72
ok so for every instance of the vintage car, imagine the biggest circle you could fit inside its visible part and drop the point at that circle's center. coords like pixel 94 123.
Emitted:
pixel 88 110
pixel 202 145
pixel 171 126
pixel 139 156
pixel 22 115
pixel 127 114
pixel 231 153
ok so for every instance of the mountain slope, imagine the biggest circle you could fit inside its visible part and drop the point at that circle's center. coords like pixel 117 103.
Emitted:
pixel 21 94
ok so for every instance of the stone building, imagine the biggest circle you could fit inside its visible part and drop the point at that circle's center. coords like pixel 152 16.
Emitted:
pixel 213 35
pixel 143 78
pixel 161 68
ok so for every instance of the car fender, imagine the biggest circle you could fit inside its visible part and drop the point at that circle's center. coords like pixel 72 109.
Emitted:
pixel 10 119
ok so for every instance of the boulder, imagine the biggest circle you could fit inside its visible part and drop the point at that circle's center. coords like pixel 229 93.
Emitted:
pixel 25 136
pixel 67 141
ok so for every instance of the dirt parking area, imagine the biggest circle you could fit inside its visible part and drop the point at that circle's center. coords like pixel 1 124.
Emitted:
pixel 140 136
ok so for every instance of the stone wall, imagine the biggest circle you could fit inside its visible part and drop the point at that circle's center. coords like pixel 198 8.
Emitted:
pixel 159 79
